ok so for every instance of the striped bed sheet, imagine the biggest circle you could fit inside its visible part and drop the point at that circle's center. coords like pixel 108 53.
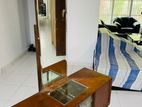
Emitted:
pixel 118 58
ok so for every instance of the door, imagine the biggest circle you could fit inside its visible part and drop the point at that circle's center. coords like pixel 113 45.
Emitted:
pixel 60 11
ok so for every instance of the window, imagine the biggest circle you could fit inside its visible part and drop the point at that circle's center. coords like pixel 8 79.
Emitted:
pixel 121 8
pixel 136 10
pixel 105 10
pixel 110 9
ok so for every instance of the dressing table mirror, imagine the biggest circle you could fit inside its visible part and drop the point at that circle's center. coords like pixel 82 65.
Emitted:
pixel 50 37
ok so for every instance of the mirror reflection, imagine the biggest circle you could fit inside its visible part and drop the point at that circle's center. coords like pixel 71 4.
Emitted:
pixel 48 39
pixel 50 76
pixel 68 92
pixel 118 51
pixel 51 19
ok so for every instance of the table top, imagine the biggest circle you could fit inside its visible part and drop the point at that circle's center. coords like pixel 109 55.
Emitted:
pixel 86 77
pixel 135 36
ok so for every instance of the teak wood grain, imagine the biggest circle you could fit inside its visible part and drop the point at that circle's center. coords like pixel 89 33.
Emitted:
pixel 60 67
pixel 99 87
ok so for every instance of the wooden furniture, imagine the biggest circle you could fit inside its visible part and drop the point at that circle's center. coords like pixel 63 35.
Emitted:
pixel 58 23
pixel 59 68
pixel 58 27
pixel 99 87
pixel 38 54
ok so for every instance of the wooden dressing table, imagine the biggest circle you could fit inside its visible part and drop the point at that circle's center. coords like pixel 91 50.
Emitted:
pixel 98 87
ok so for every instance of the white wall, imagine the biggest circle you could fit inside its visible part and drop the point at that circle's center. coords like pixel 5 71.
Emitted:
pixel 13 38
pixel 32 20
pixel 82 28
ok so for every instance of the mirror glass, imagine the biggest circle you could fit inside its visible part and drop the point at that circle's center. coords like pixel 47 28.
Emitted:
pixel 46 18
pixel 52 42
pixel 68 92
pixel 50 76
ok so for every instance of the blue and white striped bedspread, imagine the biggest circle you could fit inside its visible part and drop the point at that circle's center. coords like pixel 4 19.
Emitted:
pixel 119 59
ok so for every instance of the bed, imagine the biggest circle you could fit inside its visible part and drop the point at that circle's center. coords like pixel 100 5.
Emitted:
pixel 118 58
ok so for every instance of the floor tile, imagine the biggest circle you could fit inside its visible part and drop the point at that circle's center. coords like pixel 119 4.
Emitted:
pixel 15 79
pixel 31 81
pixel 130 98
pixel 5 103
pixel 23 93
pixel 7 91
pixel 19 80
pixel 114 102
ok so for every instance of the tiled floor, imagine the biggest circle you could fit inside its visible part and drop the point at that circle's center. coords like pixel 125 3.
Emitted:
pixel 19 81
pixel 126 99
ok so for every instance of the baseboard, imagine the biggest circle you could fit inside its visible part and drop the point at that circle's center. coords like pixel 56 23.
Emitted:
pixel 9 65
pixel 123 89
